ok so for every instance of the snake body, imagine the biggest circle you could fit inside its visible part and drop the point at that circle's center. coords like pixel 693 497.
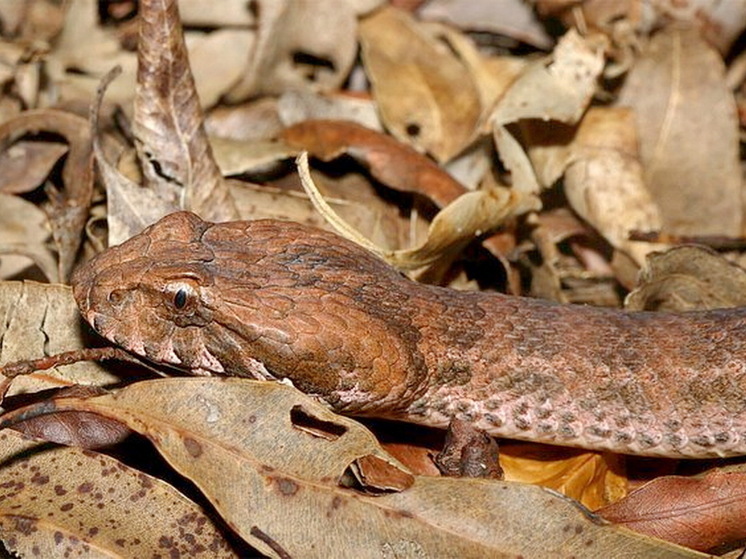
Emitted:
pixel 272 299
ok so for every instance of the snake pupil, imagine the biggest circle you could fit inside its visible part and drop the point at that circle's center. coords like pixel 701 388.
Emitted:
pixel 180 298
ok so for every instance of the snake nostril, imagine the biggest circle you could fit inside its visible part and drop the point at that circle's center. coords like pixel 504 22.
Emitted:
pixel 116 296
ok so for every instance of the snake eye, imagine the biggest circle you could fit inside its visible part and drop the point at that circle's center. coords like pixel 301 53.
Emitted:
pixel 183 295
pixel 180 298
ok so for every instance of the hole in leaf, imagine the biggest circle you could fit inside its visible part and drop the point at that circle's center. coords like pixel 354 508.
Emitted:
pixel 413 130
pixel 312 65
pixel 314 426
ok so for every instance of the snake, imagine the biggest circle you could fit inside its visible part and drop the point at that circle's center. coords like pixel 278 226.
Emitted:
pixel 270 299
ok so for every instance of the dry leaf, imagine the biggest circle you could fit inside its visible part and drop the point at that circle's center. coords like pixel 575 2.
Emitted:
pixel 699 513
pixel 556 89
pixel 604 180
pixel 279 484
pixel 24 232
pixel 425 94
pixel 688 131
pixel 391 162
pixel 688 278
pixel 26 164
pixel 61 502
pixel 171 141
pixel 230 46
pixel 513 18
pixel 84 51
pixel 291 53
pixel 38 320
pixel 68 209
pixel 295 107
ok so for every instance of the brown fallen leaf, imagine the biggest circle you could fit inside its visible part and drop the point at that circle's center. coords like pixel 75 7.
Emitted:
pixel 279 490
pixel 393 163
pixel 171 141
pixel 60 502
pixel 688 132
pixel 27 163
pixel 703 513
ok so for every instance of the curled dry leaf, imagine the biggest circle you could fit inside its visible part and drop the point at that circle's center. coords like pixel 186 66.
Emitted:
pixel 701 513
pixel 27 164
pixel 688 278
pixel 60 502
pixel 276 482
pixel 469 216
pixel 40 319
pixel 394 164
pixel 688 131
pixel 556 89
pixel 425 94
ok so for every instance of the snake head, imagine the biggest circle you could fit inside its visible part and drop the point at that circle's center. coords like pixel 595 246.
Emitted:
pixel 264 299
pixel 152 294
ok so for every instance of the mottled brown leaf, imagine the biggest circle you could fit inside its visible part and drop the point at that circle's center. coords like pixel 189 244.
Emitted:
pixel 60 502
pixel 171 141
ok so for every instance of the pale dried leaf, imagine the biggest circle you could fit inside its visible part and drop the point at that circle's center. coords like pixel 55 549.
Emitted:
pixel 84 51
pixel 24 231
pixel 556 89
pixel 255 120
pixel 42 319
pixel 229 46
pixel 297 106
pixel 514 18
pixel 235 157
pixel 603 176
pixel 425 94
pixel 469 216
pixel 688 131
pixel 60 502
pixel 230 13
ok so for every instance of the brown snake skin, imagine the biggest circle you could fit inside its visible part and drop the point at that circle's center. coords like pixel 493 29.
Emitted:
pixel 274 299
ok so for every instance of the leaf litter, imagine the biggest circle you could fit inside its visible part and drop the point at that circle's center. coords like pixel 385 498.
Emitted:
pixel 570 157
